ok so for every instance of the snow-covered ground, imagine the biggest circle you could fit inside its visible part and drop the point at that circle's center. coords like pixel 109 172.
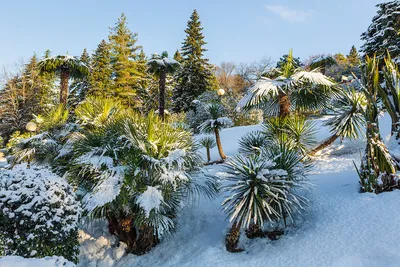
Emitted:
pixel 342 227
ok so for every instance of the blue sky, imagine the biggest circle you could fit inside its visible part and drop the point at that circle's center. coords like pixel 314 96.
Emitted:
pixel 236 30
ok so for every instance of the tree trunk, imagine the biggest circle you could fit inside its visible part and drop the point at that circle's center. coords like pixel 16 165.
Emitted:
pixel 324 144
pixel 208 154
pixel 219 144
pixel 232 239
pixel 64 87
pixel 161 100
pixel 284 105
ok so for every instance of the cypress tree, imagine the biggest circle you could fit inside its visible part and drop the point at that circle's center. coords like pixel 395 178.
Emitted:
pixel 196 74
pixel 383 33
pixel 100 78
pixel 128 70
pixel 353 57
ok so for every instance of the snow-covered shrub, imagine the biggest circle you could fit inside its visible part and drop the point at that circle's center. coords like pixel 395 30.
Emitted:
pixel 39 214
pixel 296 131
pixel 137 172
pixel 265 187
pixel 252 143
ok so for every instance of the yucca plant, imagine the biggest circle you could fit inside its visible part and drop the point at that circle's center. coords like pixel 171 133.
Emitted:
pixel 348 121
pixel 263 188
pixel 215 124
pixel 390 93
pixel 252 143
pixel 377 162
pixel 296 131
pixel 291 89
pixel 208 142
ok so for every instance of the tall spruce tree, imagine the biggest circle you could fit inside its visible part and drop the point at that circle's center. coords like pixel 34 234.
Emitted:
pixel 129 69
pixel 196 75
pixel 383 33
pixel 100 78
pixel 80 86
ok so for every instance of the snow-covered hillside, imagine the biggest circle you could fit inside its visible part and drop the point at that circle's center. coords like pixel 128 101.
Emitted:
pixel 341 228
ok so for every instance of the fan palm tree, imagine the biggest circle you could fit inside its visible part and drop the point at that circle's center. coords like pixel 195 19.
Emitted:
pixel 215 124
pixel 349 119
pixel 66 67
pixel 160 66
pixel 305 90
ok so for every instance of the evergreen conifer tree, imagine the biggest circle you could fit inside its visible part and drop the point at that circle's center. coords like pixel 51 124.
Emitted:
pixel 100 78
pixel 80 86
pixel 353 57
pixel 196 75
pixel 383 33
pixel 128 68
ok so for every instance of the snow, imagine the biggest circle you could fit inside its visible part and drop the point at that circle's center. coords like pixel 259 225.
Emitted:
pixel 150 199
pixel 16 261
pixel 341 227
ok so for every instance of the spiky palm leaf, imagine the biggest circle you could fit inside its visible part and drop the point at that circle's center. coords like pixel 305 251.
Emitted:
pixel 262 187
pixel 252 143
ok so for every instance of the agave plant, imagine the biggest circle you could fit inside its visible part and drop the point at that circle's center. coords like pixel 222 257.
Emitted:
pixel 292 88
pixel 66 67
pixel 264 187
pixel 208 142
pixel 348 121
pixel 215 124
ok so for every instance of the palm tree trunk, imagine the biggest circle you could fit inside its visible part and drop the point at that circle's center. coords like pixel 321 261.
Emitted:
pixel 324 144
pixel 161 100
pixel 208 154
pixel 219 144
pixel 64 87
pixel 284 105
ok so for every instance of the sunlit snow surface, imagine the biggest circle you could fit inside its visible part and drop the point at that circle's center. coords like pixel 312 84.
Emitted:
pixel 341 228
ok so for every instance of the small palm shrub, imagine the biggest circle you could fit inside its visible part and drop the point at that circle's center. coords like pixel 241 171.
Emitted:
pixel 39 214
pixel 137 171
pixel 216 122
pixel 208 142
pixel 296 131
pixel 265 188
pixel 252 143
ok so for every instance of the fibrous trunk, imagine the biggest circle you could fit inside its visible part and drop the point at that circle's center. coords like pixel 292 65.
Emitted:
pixel 232 239
pixel 219 144
pixel 64 87
pixel 138 241
pixel 324 144
pixel 161 100
pixel 284 105
pixel 208 154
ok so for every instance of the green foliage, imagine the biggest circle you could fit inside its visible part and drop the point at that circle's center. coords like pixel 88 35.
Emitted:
pixel 252 143
pixel 195 76
pixel 39 214
pixel 53 118
pixel 97 111
pixel 377 162
pixel 263 187
pixel 100 78
pixel 208 142
pixel 215 112
pixel 64 63
pixel 128 65
pixel 295 131
pixel 349 118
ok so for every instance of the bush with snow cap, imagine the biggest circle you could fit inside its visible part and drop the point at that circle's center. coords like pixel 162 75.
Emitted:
pixel 39 214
